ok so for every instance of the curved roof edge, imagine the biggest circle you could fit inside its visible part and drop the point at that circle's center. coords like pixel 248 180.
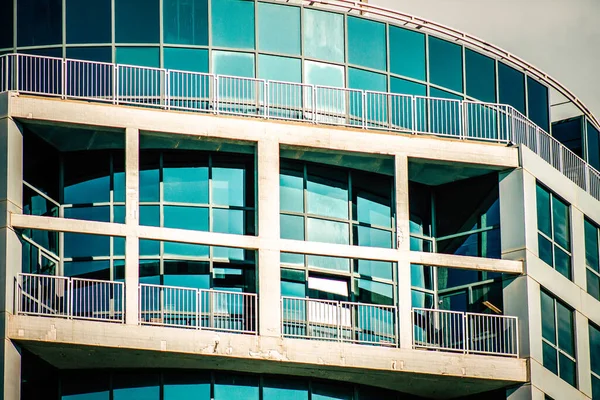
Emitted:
pixel 419 23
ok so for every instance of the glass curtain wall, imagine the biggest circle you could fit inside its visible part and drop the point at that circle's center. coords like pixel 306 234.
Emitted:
pixel 594 332
pixel 592 258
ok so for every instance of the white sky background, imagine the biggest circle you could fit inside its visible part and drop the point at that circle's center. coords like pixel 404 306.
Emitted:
pixel 560 37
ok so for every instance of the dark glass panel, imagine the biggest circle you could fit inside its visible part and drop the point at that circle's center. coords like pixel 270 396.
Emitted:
pixel 595 388
pixel 371 292
pixel 511 84
pixel 88 269
pixel 284 389
pixel 137 21
pixel 566 330
pixel 88 21
pixel 39 22
pixel 371 199
pixel 48 52
pixel 538 104
pixel 149 176
pixel 142 56
pixel 78 245
pixel 567 370
pixel 594 348
pixel 323 34
pixel 548 322
pixel 185 22
pixel 139 386
pixel 86 177
pixel 83 385
pixel 445 64
pixel 420 209
pixel 570 133
pixel 191 274
pixel 326 391
pixel 593 146
pixel 99 54
pixel 457 301
pixel 591 245
pixel 403 86
pixel 183 385
pixel 543 211
pixel 481 76
pixel 593 284
pixel 149 272
pixel 562 262
pixel 407 53
pixel 561 223
pixel 450 107
pixel 367 43
pixel 100 214
pixel 452 277
pixel 195 60
pixel 233 23
pixel 545 250
pixel 279 28
pixel 550 358
pixel 6 24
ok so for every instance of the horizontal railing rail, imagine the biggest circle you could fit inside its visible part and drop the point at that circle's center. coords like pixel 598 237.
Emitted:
pixel 218 94
pixel 339 321
pixel 198 308
pixel 71 298
pixel 467 333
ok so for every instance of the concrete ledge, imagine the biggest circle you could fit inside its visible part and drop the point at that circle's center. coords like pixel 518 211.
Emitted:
pixel 69 344
pixel 464 262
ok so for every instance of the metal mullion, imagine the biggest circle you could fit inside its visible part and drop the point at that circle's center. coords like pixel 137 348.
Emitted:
pixel 466 233
pixel 467 286
pixel 423 290
pixel 378 227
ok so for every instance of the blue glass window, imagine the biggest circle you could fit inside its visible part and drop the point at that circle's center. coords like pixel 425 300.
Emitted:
pixel 99 269
pixel 292 227
pixel 136 386
pixel 279 28
pixel 284 389
pixel 375 269
pixel 185 181
pixel 570 133
pixel 195 60
pixel 366 80
pixel 323 35
pixel 320 230
pixel 100 54
pixel 481 76
pixel 186 386
pixel 367 43
pixel 142 56
pixel 39 22
pixel 6 25
pixel 88 21
pixel 279 68
pixel 511 86
pixel 445 64
pixel 402 86
pixel 81 245
pixel 442 94
pixel 192 218
pixel 234 64
pixel 291 189
pixel 323 74
pixel 593 146
pixel 185 22
pixel 233 24
pixel 228 186
pixel 407 53
pixel 236 387
pixel 137 21
pixel 538 104
pixel 324 391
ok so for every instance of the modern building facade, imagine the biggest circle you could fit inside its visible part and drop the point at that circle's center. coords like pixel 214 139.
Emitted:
pixel 236 199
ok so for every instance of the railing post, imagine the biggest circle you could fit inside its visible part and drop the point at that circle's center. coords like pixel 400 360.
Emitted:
pixel 140 317
pixel 167 86
pixel 388 104
pixel 339 321
pixel 314 104
pixel 414 115
pixel 70 305
pixel 210 309
pixel 115 84
pixel 461 129
pixel 561 159
pixel 364 109
pixel 216 94
pixel 266 99
pixel 466 340
pixel 198 301
pixel 17 56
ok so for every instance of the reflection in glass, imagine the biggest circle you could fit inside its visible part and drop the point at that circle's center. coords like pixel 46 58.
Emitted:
pixel 233 63
pixel 185 22
pixel 88 22
pixel 445 64
pixel 137 21
pixel 319 230
pixel 323 74
pixel 279 28
pixel 511 85
pixel 366 43
pixel 407 53
pixel 233 24
pixel 279 69
pixel 195 60
pixel 323 34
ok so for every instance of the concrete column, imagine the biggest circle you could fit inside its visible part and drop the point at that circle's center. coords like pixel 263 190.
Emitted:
pixel 11 201
pixel 524 392
pixel 578 248
pixel 405 330
pixel 269 286
pixel 582 353
pixel 132 262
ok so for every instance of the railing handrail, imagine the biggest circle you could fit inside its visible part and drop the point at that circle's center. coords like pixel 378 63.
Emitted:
pixel 227 292
pixel 116 283
pixel 438 310
pixel 43 195
pixel 317 111
pixel 45 276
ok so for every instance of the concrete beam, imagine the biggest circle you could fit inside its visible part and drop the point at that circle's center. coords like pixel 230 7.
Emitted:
pixel 466 262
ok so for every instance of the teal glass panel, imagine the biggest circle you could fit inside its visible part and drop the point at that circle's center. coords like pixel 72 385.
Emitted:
pixel 100 214
pixel 195 60
pixel 150 215
pixel 279 68
pixel 235 387
pixel 372 209
pixel 88 269
pixel 549 358
pixel 371 292
pixel 593 146
pixel 511 87
pixel 567 370
pixel 374 269
pixel 323 33
pixel 149 178
pixel 7 25
pixel 185 22
pixel 366 80
pixel 80 385
pixel 39 22
pixel 192 218
pixel 292 227
pixel 403 86
pixel 324 74
pixel 407 53
pixel 278 28
pixel 543 210
pixel 538 104
pixel 86 178
pixel 186 184
pixel 367 43
pixel 591 246
pixel 325 391
pixel 421 276
pixel 319 230
pixel 284 389
pixel 186 386
pixel 442 94
pixel 445 64
pixel 149 247
pixel 421 300
pixel 548 322
pixel 228 186
pixel 185 249
pixel 233 23
pixel 293 282
pixel 562 262
pixel 593 284
pixel 332 263
pixel 291 190
pixel 327 192
pixel 293 259
pixel 402 106
pixel 137 21
pixel 481 76
pixel 79 245
pixel 88 21
pixel 566 330
pixel 594 333
pixel 119 246
pixel 188 274
pixel 561 223
pixel 136 386
pixel 234 64
pixel 229 221
pixel 545 250
pixel 370 237
pixel 595 387
pixel 142 56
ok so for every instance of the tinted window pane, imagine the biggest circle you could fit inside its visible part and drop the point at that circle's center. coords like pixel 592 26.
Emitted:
pixel 593 145
pixel 591 245
pixel 570 133
pixel 279 28
pixel 545 250
pixel 543 210
pixel 86 178
pixel 548 323
pixel 324 391
pixel 186 218
pixel 481 76
pixel 445 64
pixel 100 54
pixel 195 60
pixel 595 348
pixel 185 22
pixel 77 385
pixel 537 98
pixel 137 21
pixel 136 386
pixel 567 369
pixel 291 190
pixel 593 284
pixel 366 43
pixel 511 85
pixel 549 358
pixel 327 196
pixel 229 221
pixel 407 53
pixel 88 269
pixel 366 80
pixel 319 230
pixel 39 22
pixel 421 276
pixel 6 24
pixel 81 245
pixel 292 227
pixel 88 21
pixel 284 389
pixel 236 387
pixel 235 64
pixel 186 386
pixel 560 221
pixel 562 262
pixel 143 56
pixel 233 23
pixel 442 94
pixel 229 186
pixel 365 236
pixel 323 74
pixel 279 69
pixel 185 182
pixel 564 318
pixel 323 35
pixel 595 387
pixel 402 86
pixel 367 291
pixel 376 269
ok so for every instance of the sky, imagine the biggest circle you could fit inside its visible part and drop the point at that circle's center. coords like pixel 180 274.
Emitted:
pixel 559 37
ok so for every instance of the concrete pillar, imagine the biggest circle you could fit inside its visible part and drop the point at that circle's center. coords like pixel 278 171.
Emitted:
pixel 582 353
pixel 269 286
pixel 132 183
pixel 11 201
pixel 524 392
pixel 405 330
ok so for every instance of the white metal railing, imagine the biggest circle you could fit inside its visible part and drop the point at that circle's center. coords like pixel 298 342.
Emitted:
pixel 339 321
pixel 465 332
pixel 189 91
pixel 73 298
pixel 197 308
